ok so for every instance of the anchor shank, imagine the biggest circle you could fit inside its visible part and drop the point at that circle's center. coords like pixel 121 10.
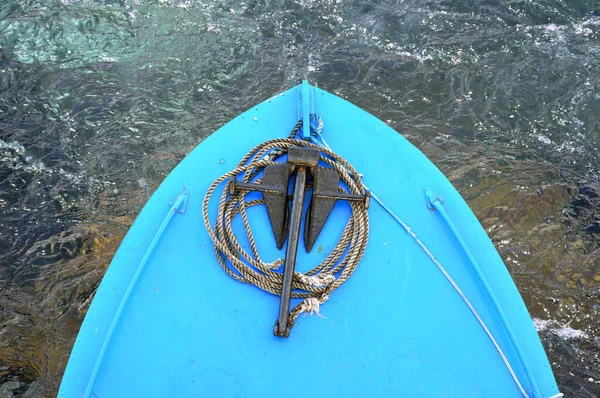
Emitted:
pixel 281 328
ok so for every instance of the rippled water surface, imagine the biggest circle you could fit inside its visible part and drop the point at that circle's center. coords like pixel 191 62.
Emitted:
pixel 99 100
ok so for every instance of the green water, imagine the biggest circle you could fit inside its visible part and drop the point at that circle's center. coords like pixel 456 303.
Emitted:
pixel 99 100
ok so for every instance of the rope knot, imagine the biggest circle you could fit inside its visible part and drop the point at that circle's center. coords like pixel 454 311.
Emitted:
pixel 319 280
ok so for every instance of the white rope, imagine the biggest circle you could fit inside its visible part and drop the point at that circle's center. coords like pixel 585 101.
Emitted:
pixel 323 143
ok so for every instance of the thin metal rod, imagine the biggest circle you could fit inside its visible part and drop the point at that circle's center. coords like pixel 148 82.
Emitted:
pixel 323 143
pixel 343 196
pixel 236 185
pixel 281 328
pixel 488 289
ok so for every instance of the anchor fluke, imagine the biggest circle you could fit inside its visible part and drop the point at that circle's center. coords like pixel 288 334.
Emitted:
pixel 325 187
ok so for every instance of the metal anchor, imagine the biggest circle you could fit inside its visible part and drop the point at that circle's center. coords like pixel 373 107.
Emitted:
pixel 301 162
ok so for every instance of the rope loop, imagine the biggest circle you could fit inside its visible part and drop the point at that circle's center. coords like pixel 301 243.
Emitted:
pixel 314 286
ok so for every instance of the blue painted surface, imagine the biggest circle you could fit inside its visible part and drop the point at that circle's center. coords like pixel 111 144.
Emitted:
pixel 305 109
pixel 396 327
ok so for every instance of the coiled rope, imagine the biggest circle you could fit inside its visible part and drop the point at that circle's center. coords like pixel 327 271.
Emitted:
pixel 314 286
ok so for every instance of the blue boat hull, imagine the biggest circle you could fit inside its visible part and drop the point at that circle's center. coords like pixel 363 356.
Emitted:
pixel 179 326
